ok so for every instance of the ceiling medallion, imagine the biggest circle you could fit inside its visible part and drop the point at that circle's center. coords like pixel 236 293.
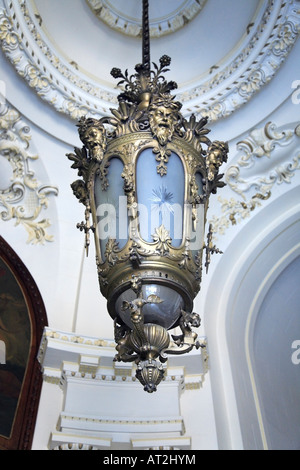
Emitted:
pixel 169 16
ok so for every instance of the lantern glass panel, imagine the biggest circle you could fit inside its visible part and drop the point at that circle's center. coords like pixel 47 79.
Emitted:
pixel 160 198
pixel 111 207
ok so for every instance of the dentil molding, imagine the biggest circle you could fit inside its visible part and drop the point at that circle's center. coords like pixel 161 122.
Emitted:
pixel 171 19
pixel 104 406
pixel 218 93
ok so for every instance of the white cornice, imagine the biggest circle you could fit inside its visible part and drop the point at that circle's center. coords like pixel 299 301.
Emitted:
pixel 95 413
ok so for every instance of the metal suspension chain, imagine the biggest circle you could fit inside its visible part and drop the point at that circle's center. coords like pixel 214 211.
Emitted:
pixel 146 37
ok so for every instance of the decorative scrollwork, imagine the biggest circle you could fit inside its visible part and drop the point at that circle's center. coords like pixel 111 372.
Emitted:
pixel 187 340
pixel 111 252
pixel 22 197
pixel 266 148
pixel 24 45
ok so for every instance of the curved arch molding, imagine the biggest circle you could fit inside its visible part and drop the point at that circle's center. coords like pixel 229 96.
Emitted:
pixel 218 93
pixel 249 267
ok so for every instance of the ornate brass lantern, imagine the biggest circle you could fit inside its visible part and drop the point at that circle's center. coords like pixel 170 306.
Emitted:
pixel 146 180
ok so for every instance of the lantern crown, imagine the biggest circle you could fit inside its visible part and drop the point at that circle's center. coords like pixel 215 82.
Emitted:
pixel 144 84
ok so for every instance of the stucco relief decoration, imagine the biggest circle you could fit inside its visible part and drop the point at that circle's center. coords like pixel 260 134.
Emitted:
pixel 224 88
pixel 268 156
pixel 22 196
pixel 175 17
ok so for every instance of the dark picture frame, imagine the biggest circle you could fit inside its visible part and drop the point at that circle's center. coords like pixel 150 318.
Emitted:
pixel 23 321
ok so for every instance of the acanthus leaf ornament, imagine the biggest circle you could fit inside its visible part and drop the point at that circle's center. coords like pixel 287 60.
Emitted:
pixel 162 157
pixel 162 239
pixel 111 251
pixel 195 132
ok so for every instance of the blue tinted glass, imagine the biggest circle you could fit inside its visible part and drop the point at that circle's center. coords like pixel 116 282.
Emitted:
pixel 111 206
pixel 160 198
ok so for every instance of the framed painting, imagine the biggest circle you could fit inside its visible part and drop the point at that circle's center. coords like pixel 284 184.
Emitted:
pixel 22 320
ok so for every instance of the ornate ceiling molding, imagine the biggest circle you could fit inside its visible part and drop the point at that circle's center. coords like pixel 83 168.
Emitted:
pixel 218 93
pixel 269 41
pixel 261 162
pixel 174 17
pixel 22 197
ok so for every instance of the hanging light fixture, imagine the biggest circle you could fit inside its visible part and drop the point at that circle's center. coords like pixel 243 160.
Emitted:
pixel 146 180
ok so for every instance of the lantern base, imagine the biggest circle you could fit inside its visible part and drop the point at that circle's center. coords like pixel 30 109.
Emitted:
pixel 145 342
pixel 162 305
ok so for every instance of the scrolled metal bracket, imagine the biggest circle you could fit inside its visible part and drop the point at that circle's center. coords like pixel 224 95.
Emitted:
pixel 210 248
pixel 86 227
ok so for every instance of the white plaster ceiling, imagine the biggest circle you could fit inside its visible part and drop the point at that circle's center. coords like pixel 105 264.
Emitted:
pixel 222 54
pixel 76 34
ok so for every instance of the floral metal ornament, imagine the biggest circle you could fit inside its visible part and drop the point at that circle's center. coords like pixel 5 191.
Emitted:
pixel 149 276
